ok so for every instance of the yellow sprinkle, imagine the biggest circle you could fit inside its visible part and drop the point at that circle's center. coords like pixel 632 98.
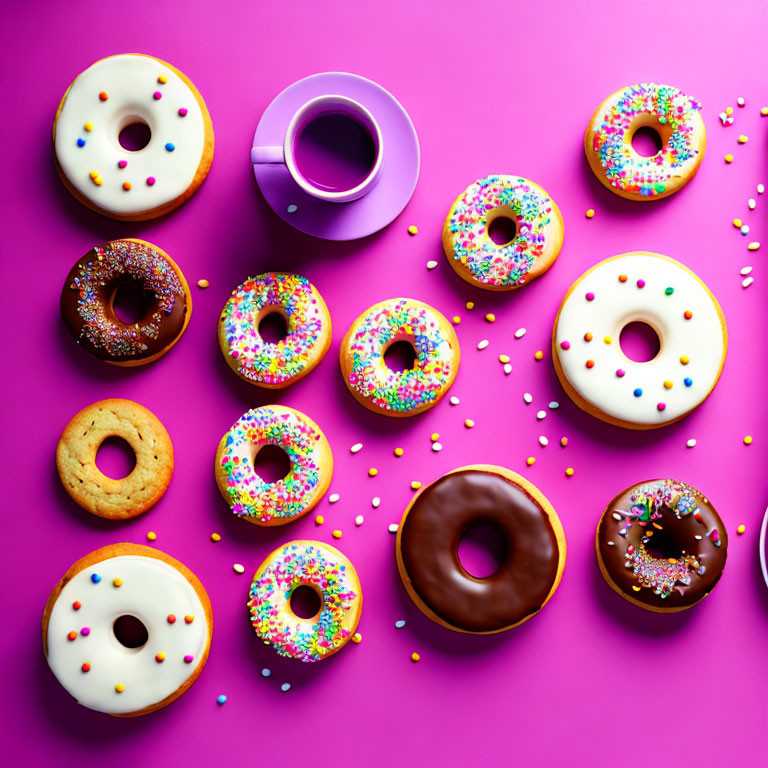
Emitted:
pixel 729 111
pixel 470 305
pixel 530 461
pixel 415 656
pixel 743 139
pixel 590 213
pixel 668 384
pixel 337 534
pixel 357 637
pixel 637 589
pixel 539 355
pixel 503 358
pixel 372 472
pixel 151 536
pixel 434 437
pixel 563 441
pixel 88 126
pixel 684 359
pixel 215 537
pixel 119 687
pixel 319 520
pixel 163 79
pixel 753 246
pixel 729 158
pixel 160 656
pixel 398 452
pixel 202 283
pixel 94 175
pixel 748 440
pixel 607 340
pixel 569 472
pixel 737 223
pixel 415 485
pixel 741 529
pixel 117 582
pixel 455 319
pixel 98 181
pixel 469 423
pixel 764 111
pixel 490 318
pixel 126 185
pixel 413 230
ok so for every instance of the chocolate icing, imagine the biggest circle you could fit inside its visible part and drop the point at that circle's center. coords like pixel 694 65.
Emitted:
pixel 676 515
pixel 90 289
pixel 429 542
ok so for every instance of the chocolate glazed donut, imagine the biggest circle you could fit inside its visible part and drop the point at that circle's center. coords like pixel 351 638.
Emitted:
pixel 89 293
pixel 428 542
pixel 661 545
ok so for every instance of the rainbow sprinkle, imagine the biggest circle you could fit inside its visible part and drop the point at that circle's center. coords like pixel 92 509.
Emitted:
pixel 293 495
pixel 433 369
pixel 294 565
pixel 294 297
pixel 489 263
pixel 624 168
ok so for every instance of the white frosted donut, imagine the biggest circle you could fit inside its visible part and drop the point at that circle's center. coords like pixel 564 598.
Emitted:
pixel 675 303
pixel 117 92
pixel 81 644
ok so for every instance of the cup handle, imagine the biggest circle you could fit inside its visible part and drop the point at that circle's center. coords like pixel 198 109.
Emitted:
pixel 267 155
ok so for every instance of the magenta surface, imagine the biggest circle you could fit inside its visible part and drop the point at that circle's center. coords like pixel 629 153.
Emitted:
pixel 492 88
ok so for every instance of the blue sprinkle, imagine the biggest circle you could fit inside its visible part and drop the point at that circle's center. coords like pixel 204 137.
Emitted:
pixel 400 624
pixel 95 578
pixel 285 687
pixel 170 146
pixel 687 382
pixel 266 672
pixel 81 142
pixel 638 392
pixel 222 699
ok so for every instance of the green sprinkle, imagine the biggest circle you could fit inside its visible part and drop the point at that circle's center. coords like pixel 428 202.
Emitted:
pixel 669 291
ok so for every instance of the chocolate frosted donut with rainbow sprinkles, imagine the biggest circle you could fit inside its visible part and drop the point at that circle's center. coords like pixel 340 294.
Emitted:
pixel 274 364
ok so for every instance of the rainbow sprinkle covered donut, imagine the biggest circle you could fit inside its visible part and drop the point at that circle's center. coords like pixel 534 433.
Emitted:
pixel 677 119
pixel 254 499
pixel 400 393
pixel 534 244
pixel 266 364
pixel 322 568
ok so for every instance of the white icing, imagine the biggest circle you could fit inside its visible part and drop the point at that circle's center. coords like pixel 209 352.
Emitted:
pixel 151 590
pixel 130 80
pixel 701 339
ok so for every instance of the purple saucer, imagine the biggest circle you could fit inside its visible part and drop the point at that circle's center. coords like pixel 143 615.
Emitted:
pixel 341 221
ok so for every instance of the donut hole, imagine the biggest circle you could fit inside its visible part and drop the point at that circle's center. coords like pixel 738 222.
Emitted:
pixel 270 463
pixel 482 550
pixel 130 303
pixel 130 632
pixel 115 458
pixel 672 539
pixel 647 141
pixel 306 602
pixel 501 227
pixel 639 342
pixel 273 327
pixel 135 135
pixel 400 356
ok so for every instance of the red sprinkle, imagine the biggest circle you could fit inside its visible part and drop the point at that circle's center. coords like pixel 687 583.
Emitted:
pixel 189 618
pixel 72 635
pixel 622 278
pixel 171 618
pixel 588 336
pixel 590 363
pixel 103 96
pixel 77 605
pixel 565 344
pixel 631 549
pixel 687 314
pixel 86 667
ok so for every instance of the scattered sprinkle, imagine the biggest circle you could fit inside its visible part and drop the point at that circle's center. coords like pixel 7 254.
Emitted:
pixel 333 498
pixel 375 502
pixel 399 624
pixel 530 461
pixel 729 158
pixel 740 101
pixel 541 415
pixel 95 578
pixel 292 208
pixel 748 440
pixel 456 320
pixel 691 443
pixel 539 355
pixel 117 582
pixel 747 282
pixel 392 528
pixel 119 687
pixel 743 139
pixel 745 270
pixel 436 447
pixel 415 485
pixel 740 530
pixel 372 472
pixel 434 437
pixel 238 568
pixel 503 358
pixel 745 230
pixel 337 534
pixel 737 223
pixel 356 448
pixel 453 401
pixel 490 318
pixel 202 283
pixel 415 657
pixel 398 452
pixel 221 699
pixel 507 369
pixel 357 638
pixel 563 441
pixel 528 398
pixel 519 333
pixel 160 657
pixel 469 423
pixel 359 520
pixel 590 213
pixel 764 111
pixel 760 189
pixel 266 672
pixel 754 246
pixel 751 203
pixel 482 344
pixel 413 230
pixel 569 472
pixel 431 264
pixel 285 687
pixel 151 536
pixel 319 519
pixel 554 405
pixel 543 441
pixel 470 305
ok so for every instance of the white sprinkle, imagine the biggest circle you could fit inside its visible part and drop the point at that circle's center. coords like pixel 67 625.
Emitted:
pixel 437 447
pixel 431 264
pixel 698 537
pixel 507 369
pixel 483 344
pixel 293 208
pixel 237 568
pixel 745 270
pixel 285 687
pixel 747 282
pixel 616 516
pixel 760 189
pixel 454 400
pixel 611 544
pixel 740 101
pixel 375 501
pixel 541 415
pixel 543 440
pixel 359 520
pixel 745 229
pixel 691 443
pixel 725 118
pixel 528 398
pixel 554 405
pixel 399 624
pixel 751 203
pixel 392 528
pixel 356 448
pixel 266 672
pixel 754 246
pixel 333 498
pixel 519 333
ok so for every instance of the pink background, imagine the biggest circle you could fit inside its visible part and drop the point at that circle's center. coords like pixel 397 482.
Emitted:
pixel 491 87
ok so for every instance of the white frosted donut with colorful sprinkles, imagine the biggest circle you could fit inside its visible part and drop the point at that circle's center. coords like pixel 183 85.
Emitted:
pixel 323 569
pixel 536 234
pixel 676 118
pixel 82 622
pixel 408 392
pixel 274 364
pixel 117 92
pixel 662 293
pixel 254 499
